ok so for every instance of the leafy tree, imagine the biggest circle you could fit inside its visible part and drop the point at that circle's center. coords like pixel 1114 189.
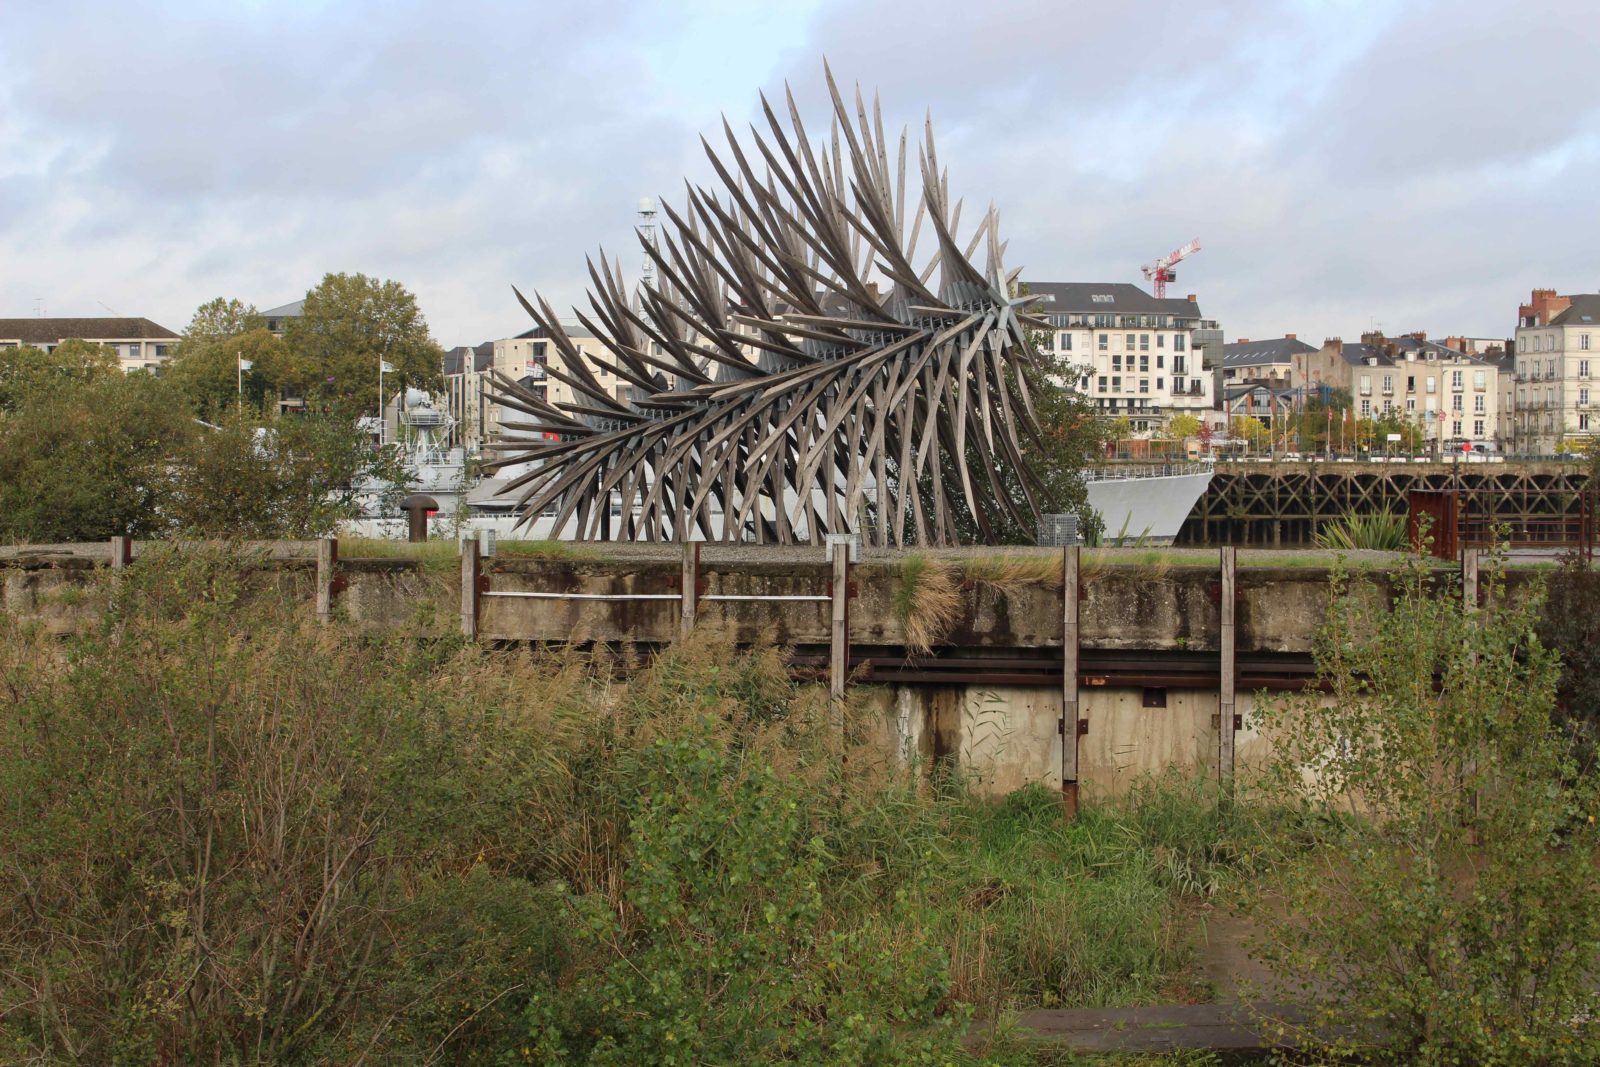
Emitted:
pixel 26 371
pixel 1251 430
pixel 1438 878
pixel 221 318
pixel 89 462
pixel 1183 427
pixel 123 454
pixel 206 369
pixel 292 476
pixel 350 324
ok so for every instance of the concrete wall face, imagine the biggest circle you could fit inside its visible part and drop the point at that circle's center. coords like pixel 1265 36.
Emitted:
pixel 1002 736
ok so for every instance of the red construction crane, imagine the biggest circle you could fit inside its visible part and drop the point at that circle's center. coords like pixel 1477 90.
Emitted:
pixel 1160 272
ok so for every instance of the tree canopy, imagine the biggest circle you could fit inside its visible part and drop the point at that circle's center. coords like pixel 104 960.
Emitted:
pixel 207 369
pixel 28 371
pixel 351 323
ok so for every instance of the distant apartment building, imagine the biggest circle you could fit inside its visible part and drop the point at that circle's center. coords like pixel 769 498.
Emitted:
pixel 139 343
pixel 1142 358
pixel 525 359
pixel 1452 396
pixel 1557 401
pixel 1269 362
pixel 278 317
pixel 465 398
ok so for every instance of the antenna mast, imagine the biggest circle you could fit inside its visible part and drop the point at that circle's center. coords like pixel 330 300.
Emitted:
pixel 647 232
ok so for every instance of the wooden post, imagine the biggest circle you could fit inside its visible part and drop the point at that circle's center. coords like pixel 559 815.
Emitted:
pixel 839 644
pixel 1469 580
pixel 469 587
pixel 690 584
pixel 121 552
pixel 1230 558
pixel 327 565
pixel 1069 679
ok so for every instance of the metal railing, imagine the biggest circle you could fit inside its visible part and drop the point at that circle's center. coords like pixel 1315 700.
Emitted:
pixel 1126 471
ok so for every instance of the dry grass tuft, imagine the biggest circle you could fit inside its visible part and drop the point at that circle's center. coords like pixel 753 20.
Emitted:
pixel 1016 572
pixel 927 600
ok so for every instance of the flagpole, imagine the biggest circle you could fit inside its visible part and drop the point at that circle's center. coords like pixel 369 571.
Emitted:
pixel 380 402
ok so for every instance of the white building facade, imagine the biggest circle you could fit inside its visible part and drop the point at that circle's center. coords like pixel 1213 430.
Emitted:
pixel 1143 359
pixel 1557 402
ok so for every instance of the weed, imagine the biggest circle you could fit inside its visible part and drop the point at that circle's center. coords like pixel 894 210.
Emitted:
pixel 927 601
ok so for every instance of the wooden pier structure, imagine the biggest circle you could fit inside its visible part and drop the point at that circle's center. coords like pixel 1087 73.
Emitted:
pixel 1283 504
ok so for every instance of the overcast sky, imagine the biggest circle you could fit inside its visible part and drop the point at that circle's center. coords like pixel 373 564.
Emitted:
pixel 1347 164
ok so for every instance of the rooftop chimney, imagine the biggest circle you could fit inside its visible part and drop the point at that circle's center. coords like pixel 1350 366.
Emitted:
pixel 1193 298
pixel 1290 337
pixel 1242 341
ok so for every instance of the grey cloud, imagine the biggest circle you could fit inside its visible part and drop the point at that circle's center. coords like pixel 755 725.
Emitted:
pixel 1417 164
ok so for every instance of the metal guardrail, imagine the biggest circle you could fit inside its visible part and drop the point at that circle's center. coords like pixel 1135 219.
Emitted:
pixel 1128 471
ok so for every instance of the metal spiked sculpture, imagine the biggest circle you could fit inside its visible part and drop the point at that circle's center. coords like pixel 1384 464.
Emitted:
pixel 795 370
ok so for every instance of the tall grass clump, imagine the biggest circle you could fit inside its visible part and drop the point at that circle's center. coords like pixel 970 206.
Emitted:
pixel 927 600
pixel 1380 531
pixel 1014 572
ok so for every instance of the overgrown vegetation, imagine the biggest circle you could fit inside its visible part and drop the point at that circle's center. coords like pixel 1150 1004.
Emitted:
pixel 229 834
pixel 1439 878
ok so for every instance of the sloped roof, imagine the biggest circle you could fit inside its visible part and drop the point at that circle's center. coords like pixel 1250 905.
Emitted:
pixel 53 331
pixel 292 310
pixel 482 357
pixel 1120 297
pixel 1258 353
pixel 1585 310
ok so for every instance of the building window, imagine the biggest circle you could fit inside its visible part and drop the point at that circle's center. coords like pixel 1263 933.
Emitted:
pixel 161 351
pixel 1388 383
pixel 1456 379
pixel 1583 398
pixel 1455 403
pixel 134 350
pixel 1583 422
pixel 1366 385
pixel 1161 340
pixel 1477 427
pixel 1144 342
pixel 1102 383
pixel 1411 403
pixel 1116 361
pixel 1144 385
pixel 1583 341
pixel 1432 383
pixel 1104 342
pixel 1161 383
pixel 1583 368
pixel 1116 384
pixel 1477 404
pixel 1411 383
pixel 1144 364
pixel 1161 361
pixel 1549 368
pixel 1480 379
pixel 1178 365
pixel 1065 343
pixel 1127 341
pixel 1455 429
pixel 1177 342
